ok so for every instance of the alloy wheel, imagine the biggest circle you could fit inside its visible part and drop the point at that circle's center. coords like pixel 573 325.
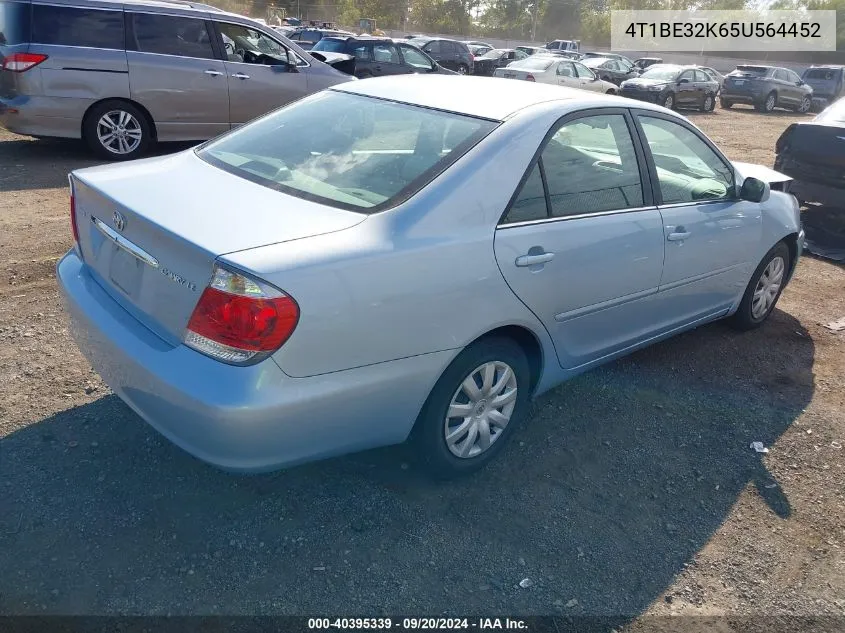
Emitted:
pixel 480 409
pixel 770 103
pixel 119 132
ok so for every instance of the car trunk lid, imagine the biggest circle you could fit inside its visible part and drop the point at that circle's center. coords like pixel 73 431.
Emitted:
pixel 150 232
pixel 814 152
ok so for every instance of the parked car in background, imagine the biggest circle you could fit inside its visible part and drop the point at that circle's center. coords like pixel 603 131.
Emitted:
pixel 378 56
pixel 237 353
pixel 496 58
pixel 123 77
pixel 673 87
pixel 533 50
pixel 566 54
pixel 714 74
pixel 448 53
pixel 479 44
pixel 827 82
pixel 610 69
pixel 644 62
pixel 626 62
pixel 564 45
pixel 550 69
pixel 478 51
pixel 307 37
pixel 766 88
pixel 813 154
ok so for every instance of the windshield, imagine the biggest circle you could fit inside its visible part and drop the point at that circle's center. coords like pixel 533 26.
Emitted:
pixel 330 45
pixel 347 151
pixel 663 73
pixel 533 63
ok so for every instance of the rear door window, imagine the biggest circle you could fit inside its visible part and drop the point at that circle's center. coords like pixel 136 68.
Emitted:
pixel 14 23
pixel 433 48
pixel 72 26
pixel 171 35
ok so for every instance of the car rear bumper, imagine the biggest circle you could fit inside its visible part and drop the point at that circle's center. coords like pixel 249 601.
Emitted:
pixel 246 419
pixel 42 116
pixel 807 191
pixel 741 97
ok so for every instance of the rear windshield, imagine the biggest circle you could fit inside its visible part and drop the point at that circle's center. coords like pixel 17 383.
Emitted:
pixel 756 71
pixel 827 74
pixel 330 46
pixel 14 23
pixel 345 150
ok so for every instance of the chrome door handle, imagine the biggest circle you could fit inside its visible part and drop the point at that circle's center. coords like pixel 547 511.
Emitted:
pixel 213 73
pixel 532 260
pixel 240 76
pixel 677 237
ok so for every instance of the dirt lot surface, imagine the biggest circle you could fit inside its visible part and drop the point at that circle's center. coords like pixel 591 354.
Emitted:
pixel 631 490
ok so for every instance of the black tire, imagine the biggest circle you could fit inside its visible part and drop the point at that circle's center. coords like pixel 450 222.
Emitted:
pixel 725 104
pixel 668 101
pixel 768 104
pixel 463 69
pixel 429 435
pixel 743 318
pixel 610 92
pixel 708 103
pixel 364 74
pixel 137 122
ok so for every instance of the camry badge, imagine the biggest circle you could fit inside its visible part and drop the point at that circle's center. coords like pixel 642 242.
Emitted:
pixel 119 221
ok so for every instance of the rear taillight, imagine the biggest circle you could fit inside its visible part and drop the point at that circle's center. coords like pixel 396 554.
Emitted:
pixel 20 62
pixel 530 77
pixel 240 320
pixel 73 227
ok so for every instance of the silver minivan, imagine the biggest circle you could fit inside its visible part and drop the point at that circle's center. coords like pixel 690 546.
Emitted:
pixel 124 74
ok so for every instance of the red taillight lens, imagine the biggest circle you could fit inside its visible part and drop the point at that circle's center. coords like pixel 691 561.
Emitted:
pixel 73 227
pixel 20 62
pixel 239 320
pixel 530 77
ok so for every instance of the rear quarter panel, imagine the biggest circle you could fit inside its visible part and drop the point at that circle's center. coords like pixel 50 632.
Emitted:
pixel 417 279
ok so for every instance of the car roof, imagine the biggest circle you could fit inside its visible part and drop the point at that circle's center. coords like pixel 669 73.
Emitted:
pixel 483 97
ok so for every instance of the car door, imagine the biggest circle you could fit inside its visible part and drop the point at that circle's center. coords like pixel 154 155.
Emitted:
pixel 437 51
pixel 566 76
pixel 387 61
pixel 786 92
pixel 582 244
pixel 587 78
pixel 173 73
pixel 262 73
pixel 796 85
pixel 686 90
pixel 711 235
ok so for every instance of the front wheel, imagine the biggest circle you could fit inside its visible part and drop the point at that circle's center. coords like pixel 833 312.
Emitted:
pixel 117 130
pixel 763 291
pixel 668 101
pixel 473 408
pixel 805 105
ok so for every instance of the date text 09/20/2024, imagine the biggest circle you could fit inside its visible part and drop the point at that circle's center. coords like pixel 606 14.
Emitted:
pixel 422 624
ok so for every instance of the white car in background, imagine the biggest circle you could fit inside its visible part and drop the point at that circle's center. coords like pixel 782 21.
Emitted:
pixel 551 69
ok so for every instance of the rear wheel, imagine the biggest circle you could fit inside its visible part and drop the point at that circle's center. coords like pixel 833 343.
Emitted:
pixel 117 130
pixel 763 291
pixel 768 104
pixel 725 104
pixel 708 103
pixel 462 69
pixel 473 408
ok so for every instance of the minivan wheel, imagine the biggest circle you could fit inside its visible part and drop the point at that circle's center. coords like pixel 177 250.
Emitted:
pixel 763 291
pixel 117 130
pixel 473 408
pixel 463 70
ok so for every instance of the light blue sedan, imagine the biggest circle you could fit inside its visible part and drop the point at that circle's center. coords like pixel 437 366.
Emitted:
pixel 413 257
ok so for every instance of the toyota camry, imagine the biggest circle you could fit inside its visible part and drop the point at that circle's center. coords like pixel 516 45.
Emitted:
pixel 409 258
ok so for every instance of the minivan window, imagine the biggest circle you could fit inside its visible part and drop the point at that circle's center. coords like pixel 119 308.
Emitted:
pixel 243 44
pixel 171 35
pixel 14 23
pixel 71 26
pixel 345 150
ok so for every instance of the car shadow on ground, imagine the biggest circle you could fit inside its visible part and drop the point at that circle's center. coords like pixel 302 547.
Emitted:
pixel 23 161
pixel 615 483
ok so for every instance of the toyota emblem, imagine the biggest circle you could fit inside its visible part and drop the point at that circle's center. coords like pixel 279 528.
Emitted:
pixel 119 220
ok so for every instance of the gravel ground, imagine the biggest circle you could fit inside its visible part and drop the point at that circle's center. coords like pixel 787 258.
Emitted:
pixel 631 491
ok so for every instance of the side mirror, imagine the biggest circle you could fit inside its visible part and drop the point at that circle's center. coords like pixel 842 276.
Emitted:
pixel 800 82
pixel 754 190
